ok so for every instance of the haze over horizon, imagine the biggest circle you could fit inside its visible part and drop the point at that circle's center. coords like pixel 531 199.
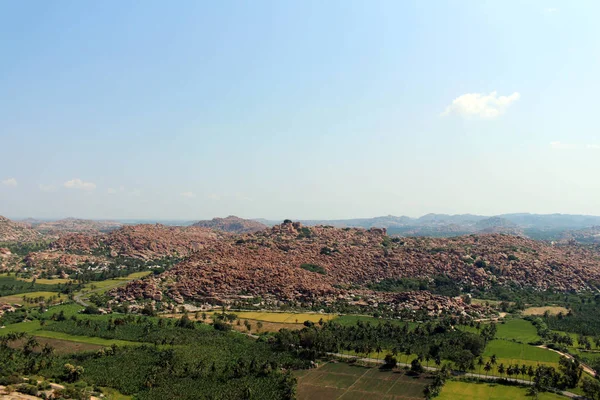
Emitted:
pixel 265 109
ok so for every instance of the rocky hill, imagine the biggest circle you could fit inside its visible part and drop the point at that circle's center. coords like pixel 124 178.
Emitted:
pixel 232 224
pixel 139 241
pixel 11 231
pixel 74 225
pixel 291 261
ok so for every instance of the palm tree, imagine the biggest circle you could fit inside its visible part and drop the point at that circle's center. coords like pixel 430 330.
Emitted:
pixel 480 364
pixel 501 369
pixel 487 368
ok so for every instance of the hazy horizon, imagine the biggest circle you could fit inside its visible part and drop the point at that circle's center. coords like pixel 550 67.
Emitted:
pixel 185 111
pixel 191 220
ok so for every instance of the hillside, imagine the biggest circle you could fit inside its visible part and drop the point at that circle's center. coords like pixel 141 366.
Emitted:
pixel 232 224
pixel 11 231
pixel 291 261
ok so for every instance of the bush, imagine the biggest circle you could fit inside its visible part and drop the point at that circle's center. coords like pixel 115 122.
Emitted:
pixel 314 268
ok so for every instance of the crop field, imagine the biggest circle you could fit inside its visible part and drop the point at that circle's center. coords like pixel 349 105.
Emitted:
pixel 353 319
pixel 455 390
pixel 283 317
pixel 18 298
pixel 553 310
pixel 509 352
pixel 343 381
pixel 42 281
pixel 84 339
pixel 517 329
pixel 61 346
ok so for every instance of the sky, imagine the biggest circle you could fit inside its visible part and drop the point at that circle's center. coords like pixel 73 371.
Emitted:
pixel 298 109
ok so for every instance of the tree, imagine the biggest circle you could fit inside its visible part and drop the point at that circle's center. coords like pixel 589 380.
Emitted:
pixel 72 372
pixel 501 369
pixel 591 388
pixel 259 326
pixel 571 370
pixel 390 361
pixel 487 368
pixel 416 367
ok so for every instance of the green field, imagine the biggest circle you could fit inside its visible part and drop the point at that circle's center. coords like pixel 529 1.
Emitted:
pixel 519 330
pixel 455 390
pixel 508 352
pixel 83 339
pixel 18 298
pixel 353 319
pixel 343 381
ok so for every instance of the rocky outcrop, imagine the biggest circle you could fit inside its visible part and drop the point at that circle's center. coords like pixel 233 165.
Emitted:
pixel 232 224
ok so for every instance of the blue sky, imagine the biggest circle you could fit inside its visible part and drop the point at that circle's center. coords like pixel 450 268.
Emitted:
pixel 298 109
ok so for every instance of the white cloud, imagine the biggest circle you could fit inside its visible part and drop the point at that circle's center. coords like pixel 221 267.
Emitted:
pixel 111 191
pixel 188 195
pixel 562 146
pixel 10 182
pixel 135 193
pixel 550 10
pixel 47 188
pixel 480 105
pixel 593 146
pixel 79 184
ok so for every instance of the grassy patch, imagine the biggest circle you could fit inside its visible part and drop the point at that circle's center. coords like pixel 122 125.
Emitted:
pixel 552 310
pixel 455 390
pixel 18 298
pixel 28 327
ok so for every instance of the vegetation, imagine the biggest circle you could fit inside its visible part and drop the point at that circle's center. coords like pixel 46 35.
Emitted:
pixel 314 268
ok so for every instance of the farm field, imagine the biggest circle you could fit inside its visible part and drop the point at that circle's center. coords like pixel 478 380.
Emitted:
pixel 18 298
pixel 455 390
pixel 343 381
pixel 41 281
pixel 517 329
pixel 84 339
pixel 508 352
pixel 286 318
pixel 62 346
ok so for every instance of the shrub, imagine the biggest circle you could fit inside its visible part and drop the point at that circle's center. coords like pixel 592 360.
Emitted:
pixel 314 268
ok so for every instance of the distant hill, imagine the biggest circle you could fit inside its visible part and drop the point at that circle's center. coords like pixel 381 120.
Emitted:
pixel 535 226
pixel 73 225
pixel 11 231
pixel 232 224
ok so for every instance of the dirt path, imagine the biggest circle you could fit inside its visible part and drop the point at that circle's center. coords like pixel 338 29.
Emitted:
pixel 585 367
